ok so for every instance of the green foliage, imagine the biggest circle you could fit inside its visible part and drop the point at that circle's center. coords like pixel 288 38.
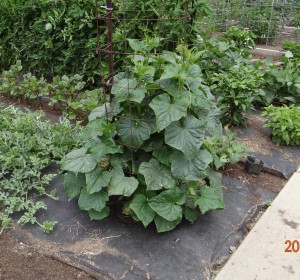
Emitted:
pixel 293 47
pixel 28 144
pixel 283 79
pixel 225 149
pixel 285 124
pixel 148 152
pixel 50 37
pixel 66 92
pixel 219 55
pixel 243 39
pixel 172 21
pixel 236 90
pixel 53 37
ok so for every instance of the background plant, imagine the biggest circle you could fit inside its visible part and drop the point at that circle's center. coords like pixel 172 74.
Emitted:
pixel 28 144
pixel 50 37
pixel 236 91
pixel 283 79
pixel 262 21
pixel 285 124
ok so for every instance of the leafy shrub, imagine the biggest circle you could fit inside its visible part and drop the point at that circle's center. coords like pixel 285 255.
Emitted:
pixel 50 37
pixel 285 124
pixel 145 149
pixel 236 90
pixel 28 144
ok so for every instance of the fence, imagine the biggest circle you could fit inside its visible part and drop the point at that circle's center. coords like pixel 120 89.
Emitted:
pixel 272 21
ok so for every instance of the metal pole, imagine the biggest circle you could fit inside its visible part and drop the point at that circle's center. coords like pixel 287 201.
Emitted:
pixel 110 45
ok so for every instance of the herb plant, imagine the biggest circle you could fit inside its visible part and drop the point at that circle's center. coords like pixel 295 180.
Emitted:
pixel 28 144
pixel 145 149
pixel 285 124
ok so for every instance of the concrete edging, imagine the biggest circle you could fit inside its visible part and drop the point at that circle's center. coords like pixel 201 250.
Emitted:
pixel 262 255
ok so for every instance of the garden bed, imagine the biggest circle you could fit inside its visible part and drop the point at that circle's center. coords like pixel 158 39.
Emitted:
pixel 118 247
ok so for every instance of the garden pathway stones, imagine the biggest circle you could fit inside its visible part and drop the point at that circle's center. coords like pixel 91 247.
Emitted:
pixel 122 249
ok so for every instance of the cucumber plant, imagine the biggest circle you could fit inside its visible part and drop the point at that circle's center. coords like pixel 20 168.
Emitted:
pixel 145 148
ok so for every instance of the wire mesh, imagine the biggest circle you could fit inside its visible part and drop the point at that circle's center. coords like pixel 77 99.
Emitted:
pixel 272 21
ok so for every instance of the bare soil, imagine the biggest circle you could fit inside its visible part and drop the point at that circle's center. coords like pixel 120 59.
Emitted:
pixel 263 179
pixel 19 261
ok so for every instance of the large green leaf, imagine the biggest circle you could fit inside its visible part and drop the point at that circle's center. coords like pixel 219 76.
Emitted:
pixel 121 185
pixel 126 90
pixel 141 208
pixel 171 71
pixel 107 110
pixel 163 225
pixel 209 199
pixel 106 146
pixel 133 132
pixel 167 204
pixel 167 110
pixel 212 121
pixel 97 180
pixel 190 169
pixel 215 182
pixel 78 161
pixel 201 95
pixel 186 136
pixel 156 175
pixel 73 184
pixel 96 215
pixel 191 214
pixel 94 201
pixel 163 154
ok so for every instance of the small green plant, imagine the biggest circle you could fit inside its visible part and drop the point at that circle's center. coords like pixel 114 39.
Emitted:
pixel 66 88
pixel 28 144
pixel 236 90
pixel 225 149
pixel 9 80
pixel 285 124
pixel 65 92
pixel 31 88
pixel 145 150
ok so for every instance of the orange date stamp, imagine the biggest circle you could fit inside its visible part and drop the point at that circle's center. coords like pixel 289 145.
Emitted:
pixel 293 246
